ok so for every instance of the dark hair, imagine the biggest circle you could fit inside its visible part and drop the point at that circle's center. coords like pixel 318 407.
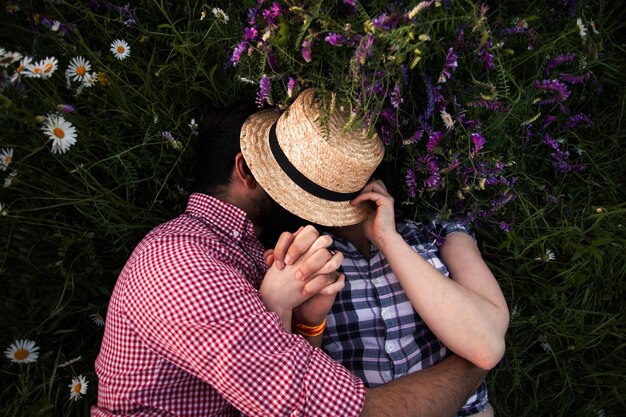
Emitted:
pixel 217 145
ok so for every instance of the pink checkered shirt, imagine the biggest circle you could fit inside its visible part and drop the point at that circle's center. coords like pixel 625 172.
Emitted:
pixel 187 335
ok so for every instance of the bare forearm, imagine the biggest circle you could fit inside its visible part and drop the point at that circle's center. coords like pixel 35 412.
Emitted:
pixel 447 307
pixel 439 391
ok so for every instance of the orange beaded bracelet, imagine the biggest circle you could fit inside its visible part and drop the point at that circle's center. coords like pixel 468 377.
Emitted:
pixel 310 331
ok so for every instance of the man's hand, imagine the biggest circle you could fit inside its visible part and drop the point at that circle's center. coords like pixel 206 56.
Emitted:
pixel 308 268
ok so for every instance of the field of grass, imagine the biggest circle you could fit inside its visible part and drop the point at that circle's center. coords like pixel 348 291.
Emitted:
pixel 541 82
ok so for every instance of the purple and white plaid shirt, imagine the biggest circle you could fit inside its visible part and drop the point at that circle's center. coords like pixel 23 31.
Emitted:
pixel 373 329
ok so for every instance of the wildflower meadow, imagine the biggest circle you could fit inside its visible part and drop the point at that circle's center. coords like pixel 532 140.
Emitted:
pixel 505 115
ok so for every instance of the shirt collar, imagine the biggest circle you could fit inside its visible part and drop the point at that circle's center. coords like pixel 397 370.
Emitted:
pixel 220 215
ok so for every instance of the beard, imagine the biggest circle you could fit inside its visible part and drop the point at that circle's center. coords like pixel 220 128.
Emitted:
pixel 273 220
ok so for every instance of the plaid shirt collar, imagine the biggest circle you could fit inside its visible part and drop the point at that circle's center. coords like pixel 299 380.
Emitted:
pixel 220 215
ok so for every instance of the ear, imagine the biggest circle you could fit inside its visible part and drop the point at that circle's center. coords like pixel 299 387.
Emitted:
pixel 242 173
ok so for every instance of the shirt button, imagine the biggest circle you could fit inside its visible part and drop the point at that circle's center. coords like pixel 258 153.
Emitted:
pixel 375 281
pixel 235 234
pixel 390 347
pixel 385 313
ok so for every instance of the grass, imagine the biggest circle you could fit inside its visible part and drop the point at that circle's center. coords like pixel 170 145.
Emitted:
pixel 72 219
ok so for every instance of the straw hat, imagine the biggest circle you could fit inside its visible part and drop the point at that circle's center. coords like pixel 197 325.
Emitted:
pixel 312 175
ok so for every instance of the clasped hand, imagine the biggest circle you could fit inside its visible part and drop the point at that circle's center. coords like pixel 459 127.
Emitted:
pixel 302 278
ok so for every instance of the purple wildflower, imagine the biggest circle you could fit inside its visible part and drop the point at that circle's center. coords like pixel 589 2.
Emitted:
pixel 385 21
pixel 559 60
pixel 430 167
pixel 66 108
pixel 549 120
pixel 291 86
pixel 390 116
pixel 483 55
pixel 459 38
pixel 351 5
pixel 478 141
pixel 238 52
pixel 433 140
pixel 396 97
pixel 265 92
pixel 561 157
pixel 306 50
pixel 250 34
pixel 336 39
pixel 561 93
pixel 411 183
pixel 576 79
pixel 449 67
pixel 386 134
pixel 55 25
pixel 577 119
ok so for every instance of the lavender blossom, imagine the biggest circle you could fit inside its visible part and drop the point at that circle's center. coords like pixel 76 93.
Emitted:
pixel 396 97
pixel 430 95
pixel 449 67
pixel 306 50
pixel 292 85
pixel 576 79
pixel 430 167
pixel 558 60
pixel 241 49
pixel 433 140
pixel 250 34
pixel 561 93
pixel 265 92
pixel 483 55
pixel 478 142
pixel 336 39
pixel 385 21
pixel 66 108
pixel 577 119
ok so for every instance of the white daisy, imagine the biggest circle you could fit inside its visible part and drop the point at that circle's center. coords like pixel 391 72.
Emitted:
pixel 90 79
pixel 78 69
pixel 78 388
pixel 22 351
pixel 61 133
pixel 220 15
pixel 49 66
pixel 120 49
pixel 9 179
pixel 5 158
pixel 55 26
pixel 546 257
pixel 24 64
pixel 582 29
pixel 193 126
pixel 7 58
pixel 203 15
pixel 447 120
pixel 97 319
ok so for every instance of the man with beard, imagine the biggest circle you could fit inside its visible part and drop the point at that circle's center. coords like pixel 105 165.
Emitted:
pixel 198 326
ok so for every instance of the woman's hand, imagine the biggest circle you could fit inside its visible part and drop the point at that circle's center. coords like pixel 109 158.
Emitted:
pixel 381 223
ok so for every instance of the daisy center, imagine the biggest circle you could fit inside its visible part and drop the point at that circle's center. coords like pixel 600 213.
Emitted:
pixel 120 49
pixel 37 70
pixel 47 68
pixel 58 132
pixel 81 71
pixel 21 354
pixel 77 388
pixel 7 160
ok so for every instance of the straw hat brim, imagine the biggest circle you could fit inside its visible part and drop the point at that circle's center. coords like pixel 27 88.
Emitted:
pixel 258 155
